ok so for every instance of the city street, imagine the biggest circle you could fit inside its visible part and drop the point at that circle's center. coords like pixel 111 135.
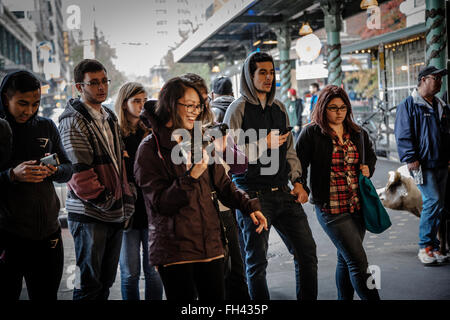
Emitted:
pixel 254 65
pixel 402 276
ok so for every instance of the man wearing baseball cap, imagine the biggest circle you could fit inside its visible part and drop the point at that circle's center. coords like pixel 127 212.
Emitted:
pixel 422 131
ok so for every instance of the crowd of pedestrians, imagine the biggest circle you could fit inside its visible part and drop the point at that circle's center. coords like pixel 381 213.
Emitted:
pixel 194 216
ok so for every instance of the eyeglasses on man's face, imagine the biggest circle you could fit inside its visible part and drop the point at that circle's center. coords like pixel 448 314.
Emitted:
pixel 336 108
pixel 191 108
pixel 96 83
pixel 435 78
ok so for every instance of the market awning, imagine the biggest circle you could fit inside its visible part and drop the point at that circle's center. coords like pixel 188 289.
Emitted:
pixel 232 31
pixel 385 38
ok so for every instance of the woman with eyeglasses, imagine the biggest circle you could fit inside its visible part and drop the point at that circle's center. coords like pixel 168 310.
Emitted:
pixel 184 229
pixel 128 106
pixel 235 278
pixel 333 146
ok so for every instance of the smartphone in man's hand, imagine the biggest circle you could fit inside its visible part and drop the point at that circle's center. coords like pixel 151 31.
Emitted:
pixel 286 130
pixel 51 159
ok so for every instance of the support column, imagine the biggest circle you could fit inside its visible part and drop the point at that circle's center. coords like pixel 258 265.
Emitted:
pixel 332 10
pixel 436 36
pixel 284 46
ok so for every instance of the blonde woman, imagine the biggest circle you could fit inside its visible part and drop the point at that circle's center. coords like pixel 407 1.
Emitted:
pixel 128 106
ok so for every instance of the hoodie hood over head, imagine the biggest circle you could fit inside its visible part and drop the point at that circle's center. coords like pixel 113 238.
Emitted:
pixel 4 112
pixel 248 90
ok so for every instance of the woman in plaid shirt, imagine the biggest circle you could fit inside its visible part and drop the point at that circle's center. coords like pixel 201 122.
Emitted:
pixel 332 145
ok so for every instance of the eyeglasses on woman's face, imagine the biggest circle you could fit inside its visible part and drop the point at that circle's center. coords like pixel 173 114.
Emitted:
pixel 336 109
pixel 190 108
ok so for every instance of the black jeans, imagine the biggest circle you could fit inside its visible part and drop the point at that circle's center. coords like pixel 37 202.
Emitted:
pixel 235 279
pixel 191 280
pixel 289 219
pixel 40 262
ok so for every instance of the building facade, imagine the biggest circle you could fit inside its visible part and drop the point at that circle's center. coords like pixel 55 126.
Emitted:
pixel 15 42
pixel 43 20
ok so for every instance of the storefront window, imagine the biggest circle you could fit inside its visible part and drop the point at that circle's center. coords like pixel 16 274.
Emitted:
pixel 400 66
pixel 403 63
pixel 416 59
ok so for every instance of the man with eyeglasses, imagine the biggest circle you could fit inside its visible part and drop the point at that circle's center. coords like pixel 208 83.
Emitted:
pixel 99 197
pixel 422 131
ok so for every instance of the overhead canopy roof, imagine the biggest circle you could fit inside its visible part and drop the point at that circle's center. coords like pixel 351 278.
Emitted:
pixel 385 38
pixel 232 30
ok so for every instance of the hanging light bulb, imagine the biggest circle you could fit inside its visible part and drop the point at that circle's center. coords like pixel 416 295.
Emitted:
pixel 305 29
pixel 368 3
pixel 215 69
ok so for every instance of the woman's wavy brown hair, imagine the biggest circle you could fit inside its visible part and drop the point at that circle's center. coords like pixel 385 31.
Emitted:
pixel 319 115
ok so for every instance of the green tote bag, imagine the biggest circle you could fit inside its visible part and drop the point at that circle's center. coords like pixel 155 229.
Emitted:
pixel 375 215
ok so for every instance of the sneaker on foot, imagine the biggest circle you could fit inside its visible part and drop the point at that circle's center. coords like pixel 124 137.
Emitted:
pixel 426 255
pixel 440 258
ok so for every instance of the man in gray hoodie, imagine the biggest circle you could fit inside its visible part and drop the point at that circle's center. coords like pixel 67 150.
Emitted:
pixel 258 120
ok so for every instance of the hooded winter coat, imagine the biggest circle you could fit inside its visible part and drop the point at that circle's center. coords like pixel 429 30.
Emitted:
pixel 98 191
pixel 247 113
pixel 30 210
pixel 183 221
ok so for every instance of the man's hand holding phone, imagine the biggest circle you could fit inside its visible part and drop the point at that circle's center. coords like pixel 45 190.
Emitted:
pixel 276 138
pixel 50 163
pixel 30 171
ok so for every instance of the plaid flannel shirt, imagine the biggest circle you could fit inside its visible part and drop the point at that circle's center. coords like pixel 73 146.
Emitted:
pixel 344 185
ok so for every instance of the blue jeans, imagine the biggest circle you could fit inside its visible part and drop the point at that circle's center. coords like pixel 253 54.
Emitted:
pixel 290 220
pixel 347 231
pixel 97 250
pixel 433 196
pixel 130 267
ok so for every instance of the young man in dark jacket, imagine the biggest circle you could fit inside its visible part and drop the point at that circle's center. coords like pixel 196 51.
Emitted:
pixel 30 234
pixel 422 131
pixel 257 119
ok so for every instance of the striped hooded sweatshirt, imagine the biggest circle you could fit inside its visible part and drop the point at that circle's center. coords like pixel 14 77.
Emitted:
pixel 98 190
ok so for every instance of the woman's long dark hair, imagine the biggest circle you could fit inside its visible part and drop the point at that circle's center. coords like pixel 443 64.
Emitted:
pixel 319 115
pixel 166 107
